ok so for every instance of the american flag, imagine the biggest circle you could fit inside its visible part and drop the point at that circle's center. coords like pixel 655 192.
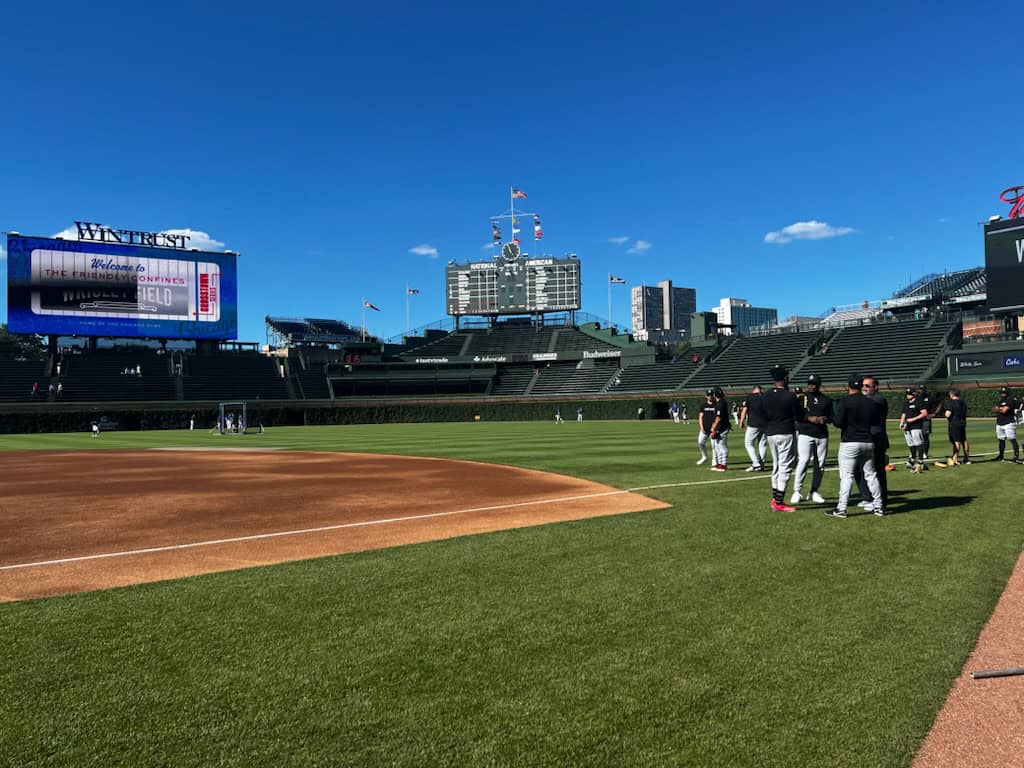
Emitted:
pixel 412 291
pixel 368 305
pixel 518 194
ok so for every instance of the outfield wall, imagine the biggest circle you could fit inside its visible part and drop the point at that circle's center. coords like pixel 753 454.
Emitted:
pixel 76 417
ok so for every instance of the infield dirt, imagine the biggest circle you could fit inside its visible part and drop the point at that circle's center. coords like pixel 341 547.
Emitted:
pixel 79 521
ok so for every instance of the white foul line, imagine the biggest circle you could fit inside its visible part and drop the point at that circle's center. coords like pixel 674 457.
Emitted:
pixel 364 523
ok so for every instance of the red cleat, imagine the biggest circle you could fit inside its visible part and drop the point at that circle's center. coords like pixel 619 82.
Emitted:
pixel 777 507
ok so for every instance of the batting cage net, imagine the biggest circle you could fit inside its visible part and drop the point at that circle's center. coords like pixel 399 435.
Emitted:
pixel 232 418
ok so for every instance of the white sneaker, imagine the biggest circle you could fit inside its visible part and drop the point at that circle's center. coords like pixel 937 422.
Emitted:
pixel 703 459
pixel 866 505
pixel 795 498
pixel 751 468
pixel 817 498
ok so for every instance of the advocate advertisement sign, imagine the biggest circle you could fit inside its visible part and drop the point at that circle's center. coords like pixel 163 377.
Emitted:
pixel 88 288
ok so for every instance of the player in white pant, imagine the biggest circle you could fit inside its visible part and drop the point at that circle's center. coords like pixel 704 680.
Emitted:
pixel 705 419
pixel 753 438
pixel 720 427
pixel 812 440
pixel 1006 425
pixel 855 415
pixel 779 411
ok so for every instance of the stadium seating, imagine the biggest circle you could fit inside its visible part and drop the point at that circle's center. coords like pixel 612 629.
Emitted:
pixel 658 377
pixel 564 378
pixel 236 376
pixel 312 381
pixel 446 344
pixel 509 340
pixel 17 378
pixel 896 351
pixel 846 316
pixel 116 375
pixel 513 379
pixel 746 361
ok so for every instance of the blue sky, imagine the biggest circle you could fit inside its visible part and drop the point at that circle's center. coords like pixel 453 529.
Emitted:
pixel 326 142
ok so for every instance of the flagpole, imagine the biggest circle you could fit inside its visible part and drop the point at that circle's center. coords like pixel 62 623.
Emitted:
pixel 610 299
pixel 407 310
pixel 364 318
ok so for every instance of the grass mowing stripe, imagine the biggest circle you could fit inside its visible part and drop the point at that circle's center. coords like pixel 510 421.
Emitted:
pixel 727 636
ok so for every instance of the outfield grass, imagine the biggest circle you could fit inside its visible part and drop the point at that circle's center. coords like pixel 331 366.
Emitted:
pixel 713 633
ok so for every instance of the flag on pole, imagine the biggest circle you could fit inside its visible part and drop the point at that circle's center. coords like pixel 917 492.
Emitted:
pixel 538 233
pixel 613 280
pixel 518 194
pixel 496 232
pixel 412 291
pixel 516 230
pixel 368 305
pixel 517 241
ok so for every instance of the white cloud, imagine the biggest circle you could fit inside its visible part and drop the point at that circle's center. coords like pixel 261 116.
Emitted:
pixel 425 250
pixel 619 240
pixel 806 230
pixel 640 246
pixel 196 238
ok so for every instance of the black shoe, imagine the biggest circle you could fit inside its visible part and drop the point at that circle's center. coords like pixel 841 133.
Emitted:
pixel 841 513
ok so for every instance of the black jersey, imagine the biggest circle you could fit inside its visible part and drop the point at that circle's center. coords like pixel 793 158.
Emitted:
pixel 1002 419
pixel 957 411
pixel 780 410
pixel 707 417
pixel 722 412
pixel 753 411
pixel 929 404
pixel 855 415
pixel 816 405
pixel 911 410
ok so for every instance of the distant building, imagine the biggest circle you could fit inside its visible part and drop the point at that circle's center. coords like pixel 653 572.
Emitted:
pixel 737 316
pixel 662 312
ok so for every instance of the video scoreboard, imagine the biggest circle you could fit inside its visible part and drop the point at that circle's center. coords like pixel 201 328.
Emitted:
pixel 73 287
pixel 1004 265
pixel 513 283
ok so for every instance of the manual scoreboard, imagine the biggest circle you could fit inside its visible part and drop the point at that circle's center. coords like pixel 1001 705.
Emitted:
pixel 513 283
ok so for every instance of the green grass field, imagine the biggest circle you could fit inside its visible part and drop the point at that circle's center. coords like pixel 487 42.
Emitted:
pixel 713 633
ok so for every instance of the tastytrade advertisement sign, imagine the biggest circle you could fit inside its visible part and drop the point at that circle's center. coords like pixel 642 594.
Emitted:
pixel 69 287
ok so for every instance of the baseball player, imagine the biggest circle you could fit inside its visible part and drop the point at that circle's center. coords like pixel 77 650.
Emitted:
pixel 955 410
pixel 855 415
pixel 779 411
pixel 558 415
pixel 579 414
pixel 685 415
pixel 912 418
pixel 880 441
pixel 1006 426
pixel 931 407
pixel 720 432
pixel 674 410
pixel 812 440
pixel 705 419
pixel 754 439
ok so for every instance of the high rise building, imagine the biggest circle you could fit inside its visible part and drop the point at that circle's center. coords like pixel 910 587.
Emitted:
pixel 662 312
pixel 737 316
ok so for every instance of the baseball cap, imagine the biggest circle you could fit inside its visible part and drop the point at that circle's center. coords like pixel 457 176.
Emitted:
pixel 709 393
pixel 718 392
pixel 814 379
pixel 856 381
pixel 910 391
pixel 778 373
pixel 1004 391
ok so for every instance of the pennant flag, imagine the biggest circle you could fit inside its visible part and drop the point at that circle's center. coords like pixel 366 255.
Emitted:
pixel 368 305
pixel 612 279
pixel 516 230
pixel 538 233
pixel 516 241
pixel 518 194
pixel 514 221
pixel 412 291
pixel 497 233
